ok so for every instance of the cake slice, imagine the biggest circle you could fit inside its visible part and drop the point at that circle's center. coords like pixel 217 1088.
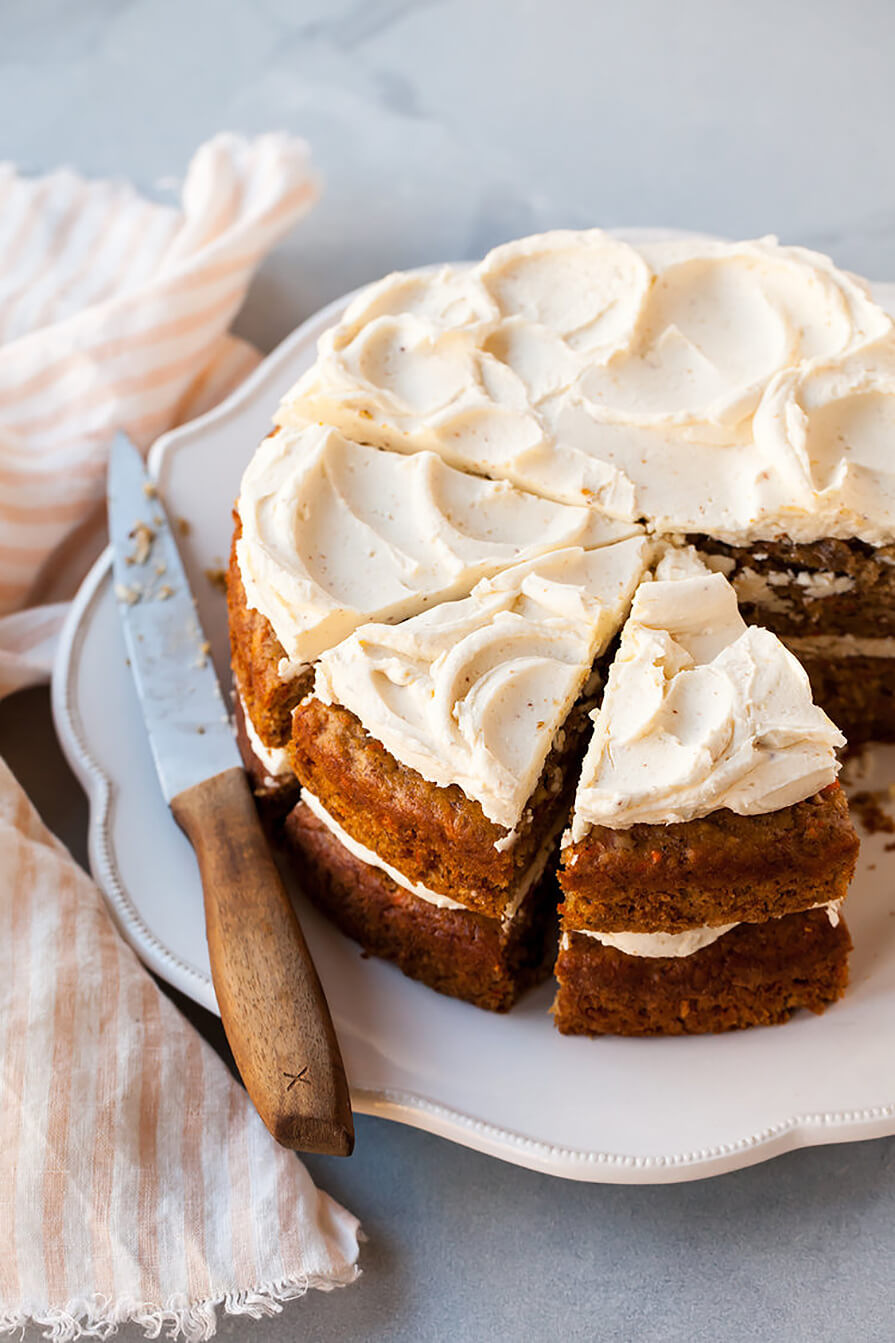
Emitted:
pixel 437 757
pixel 710 846
pixel 330 533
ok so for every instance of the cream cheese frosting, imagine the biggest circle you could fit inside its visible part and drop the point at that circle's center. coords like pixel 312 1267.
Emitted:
pixel 739 389
pixel 830 425
pixel 654 945
pixel 473 692
pixel 679 945
pixel 700 712
pixel 335 533
pixel 274 759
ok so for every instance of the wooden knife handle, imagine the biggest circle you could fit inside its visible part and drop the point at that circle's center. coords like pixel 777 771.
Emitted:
pixel 272 1005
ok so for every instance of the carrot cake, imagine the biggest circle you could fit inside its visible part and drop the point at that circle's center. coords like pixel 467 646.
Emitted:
pixel 504 447
pixel 440 753
pixel 710 847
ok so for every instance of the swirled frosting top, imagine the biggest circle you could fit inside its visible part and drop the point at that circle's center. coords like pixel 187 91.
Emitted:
pixel 700 712
pixel 473 692
pixel 335 533
pixel 744 390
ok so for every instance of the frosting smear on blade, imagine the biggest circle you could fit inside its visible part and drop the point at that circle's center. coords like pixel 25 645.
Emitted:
pixel 335 533
pixel 739 389
pixel 474 692
pixel 700 712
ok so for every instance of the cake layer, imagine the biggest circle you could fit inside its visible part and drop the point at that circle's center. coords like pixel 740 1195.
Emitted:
pixel 485 961
pixel 757 974
pixel 256 656
pixel 435 836
pixel 716 869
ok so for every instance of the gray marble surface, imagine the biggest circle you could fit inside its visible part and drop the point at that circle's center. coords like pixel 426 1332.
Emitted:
pixel 441 127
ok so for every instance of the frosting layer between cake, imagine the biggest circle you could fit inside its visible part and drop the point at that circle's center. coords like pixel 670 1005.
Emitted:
pixel 366 855
pixel 417 888
pixel 678 945
pixel 274 759
pixel 744 390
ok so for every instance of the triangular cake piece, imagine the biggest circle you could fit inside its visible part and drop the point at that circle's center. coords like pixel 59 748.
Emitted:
pixel 332 533
pixel 710 846
pixel 439 753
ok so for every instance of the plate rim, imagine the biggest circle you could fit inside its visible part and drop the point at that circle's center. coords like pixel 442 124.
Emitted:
pixel 409 1107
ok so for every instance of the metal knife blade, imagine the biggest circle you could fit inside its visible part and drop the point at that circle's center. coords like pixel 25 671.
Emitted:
pixel 185 714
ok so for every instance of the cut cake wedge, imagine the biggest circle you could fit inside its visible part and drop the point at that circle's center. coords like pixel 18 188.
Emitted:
pixel 710 846
pixel 439 754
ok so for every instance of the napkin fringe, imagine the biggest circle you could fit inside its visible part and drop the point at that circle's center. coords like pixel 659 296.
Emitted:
pixel 194 1321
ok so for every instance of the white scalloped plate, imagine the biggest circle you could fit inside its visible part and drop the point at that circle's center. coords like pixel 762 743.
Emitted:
pixel 624 1111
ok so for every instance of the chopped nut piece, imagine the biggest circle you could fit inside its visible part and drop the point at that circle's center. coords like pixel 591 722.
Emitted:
pixel 149 489
pixel 164 592
pixel 204 650
pixel 873 818
pixel 131 595
pixel 143 537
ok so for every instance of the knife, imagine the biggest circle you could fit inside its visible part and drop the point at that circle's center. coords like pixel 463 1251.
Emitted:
pixel 272 1004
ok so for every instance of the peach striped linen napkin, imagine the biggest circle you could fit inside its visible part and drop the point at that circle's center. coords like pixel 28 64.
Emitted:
pixel 136 1180
pixel 114 314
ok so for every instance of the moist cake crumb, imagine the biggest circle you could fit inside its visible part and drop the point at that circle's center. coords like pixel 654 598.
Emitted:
pixel 459 952
pixel 867 807
pixel 756 975
pixel 217 577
